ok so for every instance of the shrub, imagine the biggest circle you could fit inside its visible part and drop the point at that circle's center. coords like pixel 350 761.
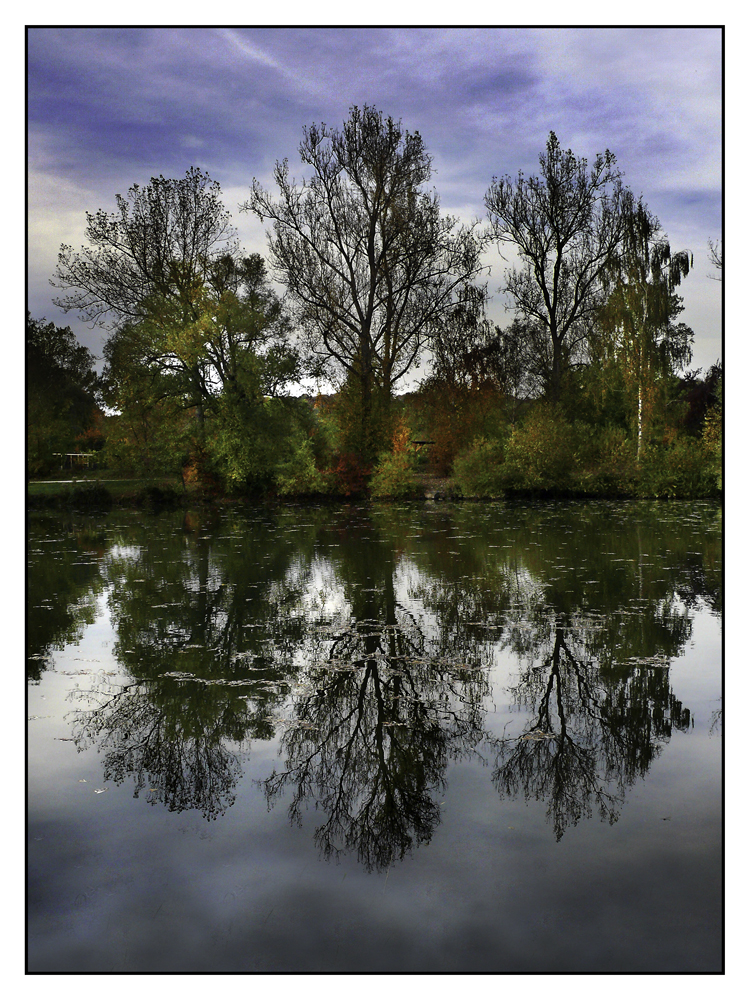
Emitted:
pixel 479 471
pixel 681 470
pixel 395 473
pixel 540 454
pixel 713 444
pixel 298 475
pixel 347 476
pixel 156 497
pixel 604 460
pixel 91 495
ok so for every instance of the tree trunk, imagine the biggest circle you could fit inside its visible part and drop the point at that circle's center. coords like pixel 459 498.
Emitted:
pixel 640 419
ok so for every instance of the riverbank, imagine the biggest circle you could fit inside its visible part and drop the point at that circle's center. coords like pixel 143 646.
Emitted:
pixel 99 492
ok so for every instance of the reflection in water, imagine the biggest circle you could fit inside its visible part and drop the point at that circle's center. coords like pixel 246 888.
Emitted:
pixel 63 582
pixel 171 743
pixel 591 732
pixel 369 640
pixel 382 714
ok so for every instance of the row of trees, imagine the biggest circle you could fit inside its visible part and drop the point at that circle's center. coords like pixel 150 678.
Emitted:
pixel 202 353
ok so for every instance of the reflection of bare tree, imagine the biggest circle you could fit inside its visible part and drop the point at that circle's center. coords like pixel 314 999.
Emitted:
pixel 174 746
pixel 205 632
pixel 371 739
pixel 592 733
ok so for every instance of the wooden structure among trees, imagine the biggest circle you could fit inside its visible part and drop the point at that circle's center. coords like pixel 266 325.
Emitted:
pixel 75 459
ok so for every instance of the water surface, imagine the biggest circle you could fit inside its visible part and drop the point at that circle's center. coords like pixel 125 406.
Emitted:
pixel 400 738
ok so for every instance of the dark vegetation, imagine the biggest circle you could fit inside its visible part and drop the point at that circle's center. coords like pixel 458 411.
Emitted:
pixel 586 392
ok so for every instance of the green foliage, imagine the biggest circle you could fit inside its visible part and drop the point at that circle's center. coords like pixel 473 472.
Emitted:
pixel 298 475
pixel 243 444
pixel 682 469
pixel 604 460
pixel 549 454
pixel 713 444
pixel 479 471
pixel 360 419
pixel 90 495
pixel 61 393
pixel 147 438
pixel 540 453
pixel 394 476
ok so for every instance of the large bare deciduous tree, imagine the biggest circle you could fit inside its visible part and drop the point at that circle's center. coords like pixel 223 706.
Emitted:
pixel 366 254
pixel 566 224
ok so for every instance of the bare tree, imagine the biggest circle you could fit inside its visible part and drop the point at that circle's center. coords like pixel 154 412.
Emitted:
pixel 365 252
pixel 716 256
pixel 566 225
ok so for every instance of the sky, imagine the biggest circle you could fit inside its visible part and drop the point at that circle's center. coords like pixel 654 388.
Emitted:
pixel 109 107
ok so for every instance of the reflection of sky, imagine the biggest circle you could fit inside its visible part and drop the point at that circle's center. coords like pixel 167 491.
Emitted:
pixel 125 885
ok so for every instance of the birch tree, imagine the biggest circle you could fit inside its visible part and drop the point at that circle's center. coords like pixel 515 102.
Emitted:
pixel 641 307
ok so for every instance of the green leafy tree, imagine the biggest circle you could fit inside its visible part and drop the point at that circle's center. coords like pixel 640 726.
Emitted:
pixel 150 258
pixel 62 390
pixel 566 224
pixel 367 257
pixel 639 315
pixel 192 319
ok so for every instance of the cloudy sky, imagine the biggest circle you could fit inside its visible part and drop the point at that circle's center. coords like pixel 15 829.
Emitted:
pixel 110 107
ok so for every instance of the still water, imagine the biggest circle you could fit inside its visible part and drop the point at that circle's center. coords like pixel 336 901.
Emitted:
pixel 477 738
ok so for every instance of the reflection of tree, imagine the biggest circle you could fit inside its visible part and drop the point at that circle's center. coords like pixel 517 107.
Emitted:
pixel 202 610
pixel 382 715
pixel 591 733
pixel 63 582
pixel 168 751
pixel 373 649
pixel 595 605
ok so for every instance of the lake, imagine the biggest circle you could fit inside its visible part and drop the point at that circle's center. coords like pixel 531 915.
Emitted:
pixel 402 738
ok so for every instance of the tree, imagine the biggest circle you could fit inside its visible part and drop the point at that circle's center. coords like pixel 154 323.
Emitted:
pixel 148 258
pixel 566 224
pixel 161 239
pixel 165 271
pixel 716 256
pixel 641 306
pixel 62 390
pixel 193 320
pixel 471 352
pixel 235 339
pixel 365 254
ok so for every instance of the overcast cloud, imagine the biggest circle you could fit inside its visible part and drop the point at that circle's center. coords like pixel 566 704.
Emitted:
pixel 109 107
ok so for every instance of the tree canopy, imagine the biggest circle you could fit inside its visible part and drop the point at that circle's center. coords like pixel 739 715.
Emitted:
pixel 202 352
pixel 566 225
pixel 641 306
pixel 62 391
pixel 369 261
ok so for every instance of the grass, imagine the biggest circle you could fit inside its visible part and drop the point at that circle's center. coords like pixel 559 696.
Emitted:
pixel 119 488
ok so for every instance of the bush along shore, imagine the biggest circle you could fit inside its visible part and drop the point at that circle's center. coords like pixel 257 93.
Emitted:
pixel 475 477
